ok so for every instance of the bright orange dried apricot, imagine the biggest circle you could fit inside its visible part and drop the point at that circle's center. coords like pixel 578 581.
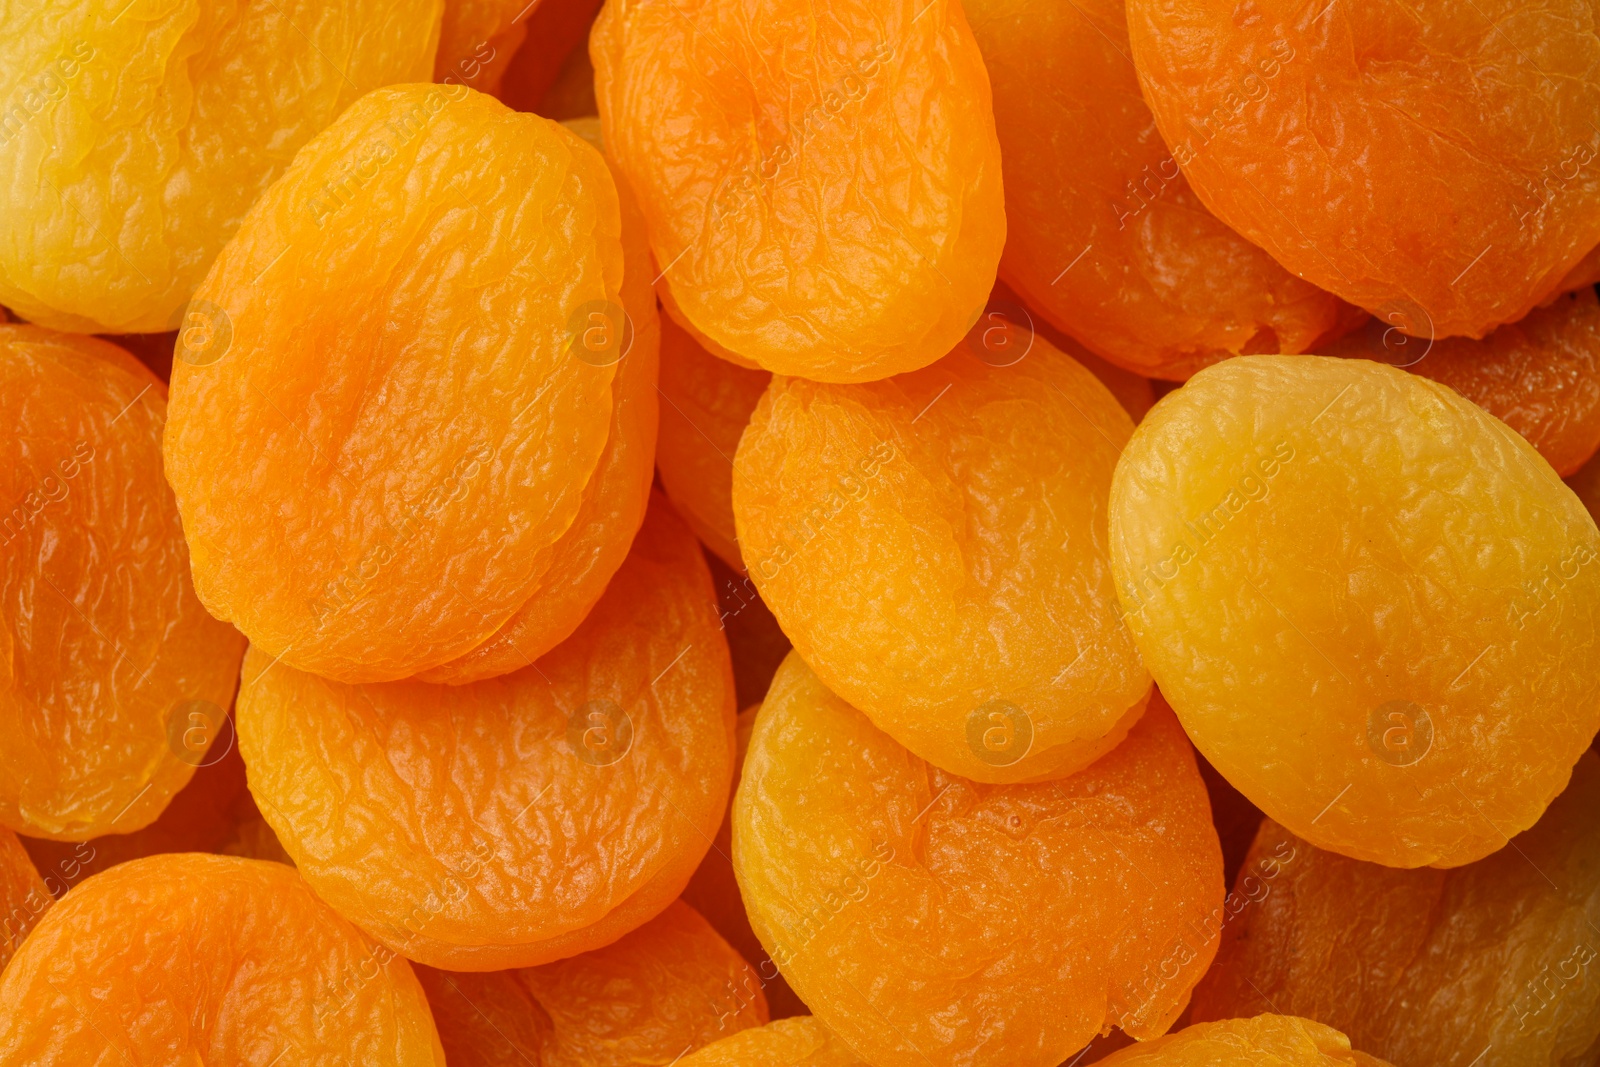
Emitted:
pixel 105 652
pixel 208 959
pixel 926 918
pixel 1368 149
pixel 132 141
pixel 1430 966
pixel 822 189
pixel 1540 376
pixel 23 895
pixel 706 403
pixel 934 546
pixel 660 992
pixel 1105 236
pixel 1374 607
pixel 414 376
pixel 524 818
pixel 1268 1040
pixel 799 1042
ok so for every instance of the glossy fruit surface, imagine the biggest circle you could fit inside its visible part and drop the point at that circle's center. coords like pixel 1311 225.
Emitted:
pixel 1431 966
pixel 799 1042
pixel 107 659
pixel 135 139
pixel 208 959
pixel 926 918
pixel 1364 147
pixel 524 818
pixel 1370 603
pixel 402 376
pixel 1264 1041
pixel 822 188
pixel 935 547
pixel 1105 236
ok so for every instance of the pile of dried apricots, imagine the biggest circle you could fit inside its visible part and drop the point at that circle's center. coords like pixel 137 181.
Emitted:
pixel 934 533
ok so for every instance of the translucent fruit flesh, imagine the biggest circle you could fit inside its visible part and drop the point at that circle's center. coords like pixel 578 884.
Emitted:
pixel 926 918
pixel 934 546
pixel 524 818
pixel 1370 603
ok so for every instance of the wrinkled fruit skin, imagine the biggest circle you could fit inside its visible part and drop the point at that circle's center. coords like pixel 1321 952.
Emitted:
pixel 1373 606
pixel 112 675
pixel 927 919
pixel 1364 148
pixel 668 987
pixel 521 819
pixel 798 1042
pixel 23 895
pixel 404 391
pixel 1540 376
pixel 132 147
pixel 208 959
pixel 1106 238
pixel 822 189
pixel 1431 966
pixel 706 403
pixel 934 545
pixel 1264 1041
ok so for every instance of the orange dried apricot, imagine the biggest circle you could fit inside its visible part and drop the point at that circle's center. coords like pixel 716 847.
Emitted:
pixel 208 959
pixel 1540 376
pixel 1431 966
pixel 822 189
pixel 1373 606
pixel 926 918
pixel 415 374
pixel 23 895
pixel 662 991
pixel 1105 236
pixel 798 1042
pixel 705 405
pixel 132 141
pixel 934 546
pixel 524 818
pixel 1268 1040
pixel 1366 149
pixel 105 652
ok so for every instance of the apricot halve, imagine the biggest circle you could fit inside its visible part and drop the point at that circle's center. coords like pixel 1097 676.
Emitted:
pixel 1370 150
pixel 1105 237
pixel 189 958
pixel 934 545
pixel 524 818
pixel 1374 607
pixel 927 918
pixel 134 139
pixel 1430 966
pixel 660 992
pixel 409 387
pixel 822 187
pixel 107 658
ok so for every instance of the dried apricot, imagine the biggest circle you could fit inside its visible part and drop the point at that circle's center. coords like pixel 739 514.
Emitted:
pixel 23 895
pixel 524 818
pixel 1365 147
pixel 1373 606
pixel 799 1042
pixel 106 655
pixel 1105 236
pixel 662 991
pixel 705 405
pixel 208 959
pixel 926 918
pixel 1431 966
pixel 822 189
pixel 132 142
pixel 415 375
pixel 934 546
pixel 1265 1041
pixel 1540 376
pixel 477 39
